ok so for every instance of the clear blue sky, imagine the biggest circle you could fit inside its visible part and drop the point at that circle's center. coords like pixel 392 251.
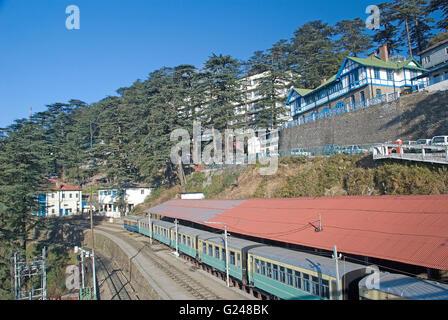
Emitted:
pixel 41 62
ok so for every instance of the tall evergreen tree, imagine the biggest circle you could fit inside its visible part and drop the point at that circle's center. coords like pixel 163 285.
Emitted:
pixel 314 53
pixel 353 37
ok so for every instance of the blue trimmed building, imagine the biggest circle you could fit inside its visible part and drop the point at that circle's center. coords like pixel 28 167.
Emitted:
pixel 358 83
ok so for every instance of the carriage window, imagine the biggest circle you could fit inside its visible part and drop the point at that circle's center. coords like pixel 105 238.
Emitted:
pixel 257 266
pixel 223 254
pixel 217 252
pixel 289 277
pixel 204 248
pixel 269 270
pixel 189 241
pixel 238 260
pixel 232 257
pixel 263 268
pixel 306 282
pixel 282 275
pixel 275 272
pixel 315 285
pixel 325 289
pixel 210 250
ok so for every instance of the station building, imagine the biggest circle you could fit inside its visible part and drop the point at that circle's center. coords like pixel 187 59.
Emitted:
pixel 60 199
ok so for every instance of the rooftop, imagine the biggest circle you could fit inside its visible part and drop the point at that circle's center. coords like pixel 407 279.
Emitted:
pixel 407 229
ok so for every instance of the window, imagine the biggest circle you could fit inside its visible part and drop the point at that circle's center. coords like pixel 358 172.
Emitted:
pixel 325 289
pixel 306 282
pixel 217 252
pixel 378 92
pixel 282 275
pixel 70 195
pixel 210 250
pixel 77 196
pixel 189 241
pixel 377 73
pixel 52 195
pixel 363 96
pixel 232 257
pixel 390 75
pixel 289 277
pixel 142 191
pixel 275 272
pixel 257 266
pixel 238 260
pixel 352 99
pixel 263 268
pixel 315 286
pixel 204 248
pixel 269 270
pixel 184 240
pixel 63 195
pixel 223 254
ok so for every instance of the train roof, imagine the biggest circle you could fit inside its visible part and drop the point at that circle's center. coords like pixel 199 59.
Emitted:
pixel 135 218
pixel 234 243
pixel 162 223
pixel 410 287
pixel 305 260
pixel 192 232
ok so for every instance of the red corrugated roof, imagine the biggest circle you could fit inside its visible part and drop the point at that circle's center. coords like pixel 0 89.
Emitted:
pixel 408 229
pixel 62 186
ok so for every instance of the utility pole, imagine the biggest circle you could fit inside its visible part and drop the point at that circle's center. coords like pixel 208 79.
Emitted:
pixel 227 256
pixel 177 237
pixel 149 228
pixel 336 259
pixel 226 244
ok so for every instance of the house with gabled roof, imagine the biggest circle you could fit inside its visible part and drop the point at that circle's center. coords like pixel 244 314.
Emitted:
pixel 357 81
pixel 59 199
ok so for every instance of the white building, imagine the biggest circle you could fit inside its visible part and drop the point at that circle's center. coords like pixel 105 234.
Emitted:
pixel 61 199
pixel 133 195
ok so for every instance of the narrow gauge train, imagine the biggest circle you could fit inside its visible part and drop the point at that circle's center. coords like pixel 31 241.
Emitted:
pixel 280 273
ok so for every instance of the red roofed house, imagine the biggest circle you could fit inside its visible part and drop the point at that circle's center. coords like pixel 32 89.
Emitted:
pixel 61 199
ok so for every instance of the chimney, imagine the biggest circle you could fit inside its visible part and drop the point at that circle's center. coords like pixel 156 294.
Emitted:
pixel 384 53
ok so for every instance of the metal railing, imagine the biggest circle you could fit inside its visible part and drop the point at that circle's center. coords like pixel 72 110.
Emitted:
pixel 327 113
pixel 420 153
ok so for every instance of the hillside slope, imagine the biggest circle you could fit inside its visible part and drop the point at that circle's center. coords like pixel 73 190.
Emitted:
pixel 301 177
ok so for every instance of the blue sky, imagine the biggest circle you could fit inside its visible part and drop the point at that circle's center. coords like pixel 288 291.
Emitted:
pixel 42 62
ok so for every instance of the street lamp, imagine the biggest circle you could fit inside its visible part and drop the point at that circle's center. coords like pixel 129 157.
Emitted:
pixel 227 249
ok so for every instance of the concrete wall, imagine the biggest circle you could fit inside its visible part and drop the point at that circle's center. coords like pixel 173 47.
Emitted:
pixel 415 116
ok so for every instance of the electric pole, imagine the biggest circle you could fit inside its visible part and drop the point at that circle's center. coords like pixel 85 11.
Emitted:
pixel 336 259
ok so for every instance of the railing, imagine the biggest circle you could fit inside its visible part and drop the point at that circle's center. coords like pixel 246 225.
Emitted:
pixel 421 153
pixel 340 110
pixel 428 83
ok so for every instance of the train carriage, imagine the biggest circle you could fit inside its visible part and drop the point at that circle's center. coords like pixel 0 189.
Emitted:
pixel 131 223
pixel 162 231
pixel 187 240
pixel 293 275
pixel 391 286
pixel 212 252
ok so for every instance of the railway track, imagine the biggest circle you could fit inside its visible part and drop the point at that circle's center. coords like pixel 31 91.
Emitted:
pixel 115 279
pixel 196 289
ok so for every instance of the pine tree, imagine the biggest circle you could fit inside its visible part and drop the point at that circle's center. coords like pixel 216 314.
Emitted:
pixel 353 37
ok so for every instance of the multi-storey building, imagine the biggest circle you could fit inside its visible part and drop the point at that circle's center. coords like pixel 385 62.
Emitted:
pixel 61 199
pixel 435 60
pixel 252 100
pixel 358 81
pixel 133 195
